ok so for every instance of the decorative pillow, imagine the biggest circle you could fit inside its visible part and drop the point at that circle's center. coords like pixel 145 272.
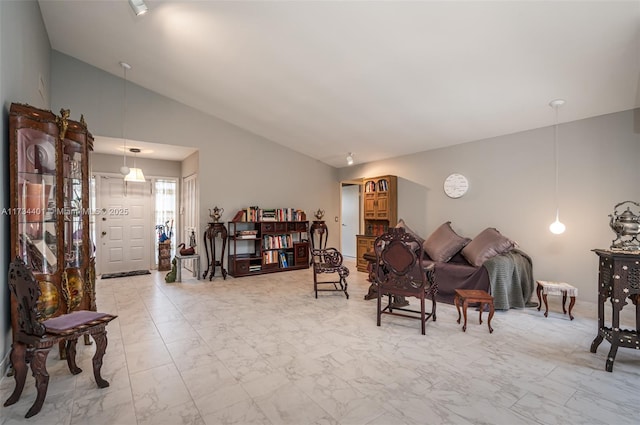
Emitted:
pixel 487 244
pixel 402 224
pixel 444 243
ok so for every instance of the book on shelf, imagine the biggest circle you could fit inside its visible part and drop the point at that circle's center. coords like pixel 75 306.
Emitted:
pixel 256 214
pixel 246 237
pixel 283 260
pixel 239 216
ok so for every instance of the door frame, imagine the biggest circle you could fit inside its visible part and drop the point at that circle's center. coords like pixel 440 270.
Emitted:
pixel 360 218
pixel 98 253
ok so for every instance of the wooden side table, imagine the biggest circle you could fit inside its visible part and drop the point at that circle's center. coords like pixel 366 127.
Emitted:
pixel 196 265
pixel 318 236
pixel 467 296
pixel 214 230
pixel 556 288
pixel 618 280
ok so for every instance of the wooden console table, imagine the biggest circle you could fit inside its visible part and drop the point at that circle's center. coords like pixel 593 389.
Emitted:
pixel 618 279
pixel 214 230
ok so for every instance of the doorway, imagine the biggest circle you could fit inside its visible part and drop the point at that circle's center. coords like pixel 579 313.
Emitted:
pixel 123 224
pixel 350 213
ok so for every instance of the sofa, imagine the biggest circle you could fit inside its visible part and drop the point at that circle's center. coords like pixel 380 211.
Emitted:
pixel 490 261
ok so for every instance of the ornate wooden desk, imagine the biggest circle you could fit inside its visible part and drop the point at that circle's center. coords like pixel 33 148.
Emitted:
pixel 214 229
pixel 618 279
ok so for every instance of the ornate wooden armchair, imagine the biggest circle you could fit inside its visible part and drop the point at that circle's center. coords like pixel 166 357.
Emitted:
pixel 34 338
pixel 329 261
pixel 398 270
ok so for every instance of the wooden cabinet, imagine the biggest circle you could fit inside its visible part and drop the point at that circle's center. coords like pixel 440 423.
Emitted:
pixel 364 244
pixel 380 211
pixel 267 246
pixel 49 207
pixel 380 199
pixel 618 280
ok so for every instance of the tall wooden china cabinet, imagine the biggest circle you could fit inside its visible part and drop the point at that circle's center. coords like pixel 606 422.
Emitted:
pixel 49 178
pixel 380 212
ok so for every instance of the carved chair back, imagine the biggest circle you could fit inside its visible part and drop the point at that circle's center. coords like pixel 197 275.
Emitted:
pixel 26 290
pixel 398 267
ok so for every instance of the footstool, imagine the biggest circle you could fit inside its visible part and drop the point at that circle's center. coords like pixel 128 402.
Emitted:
pixel 556 288
pixel 467 296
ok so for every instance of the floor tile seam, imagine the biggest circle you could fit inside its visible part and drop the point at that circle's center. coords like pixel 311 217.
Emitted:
pixel 583 413
pixel 309 396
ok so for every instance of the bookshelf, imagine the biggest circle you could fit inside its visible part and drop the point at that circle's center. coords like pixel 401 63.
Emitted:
pixel 257 247
pixel 380 211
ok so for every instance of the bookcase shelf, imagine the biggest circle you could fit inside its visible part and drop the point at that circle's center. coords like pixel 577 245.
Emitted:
pixel 380 212
pixel 277 246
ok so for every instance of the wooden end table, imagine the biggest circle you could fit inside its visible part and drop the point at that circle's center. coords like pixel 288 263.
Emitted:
pixel 467 296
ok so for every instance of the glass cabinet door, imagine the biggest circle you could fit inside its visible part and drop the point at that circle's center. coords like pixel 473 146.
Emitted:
pixel 36 212
pixel 74 202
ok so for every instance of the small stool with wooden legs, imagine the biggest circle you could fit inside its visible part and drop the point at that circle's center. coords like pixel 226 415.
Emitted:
pixel 466 296
pixel 556 288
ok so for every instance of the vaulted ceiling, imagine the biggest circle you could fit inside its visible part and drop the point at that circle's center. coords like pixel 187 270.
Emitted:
pixel 379 79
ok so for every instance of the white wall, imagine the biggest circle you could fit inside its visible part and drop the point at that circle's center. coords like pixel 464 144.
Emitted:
pixel 236 168
pixel 24 57
pixel 512 188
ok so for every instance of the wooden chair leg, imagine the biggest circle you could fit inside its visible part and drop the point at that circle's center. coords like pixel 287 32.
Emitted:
pixel 101 347
pixel 379 312
pixel 18 360
pixel 39 370
pixel 422 315
pixel 433 307
pixel 71 357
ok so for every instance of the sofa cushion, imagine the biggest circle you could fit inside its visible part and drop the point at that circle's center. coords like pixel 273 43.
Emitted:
pixel 489 243
pixel 402 224
pixel 444 243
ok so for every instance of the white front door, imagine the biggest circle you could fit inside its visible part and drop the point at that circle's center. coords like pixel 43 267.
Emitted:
pixel 350 218
pixel 125 230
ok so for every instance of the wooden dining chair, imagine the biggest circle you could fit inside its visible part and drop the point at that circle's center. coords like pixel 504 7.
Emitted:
pixel 398 270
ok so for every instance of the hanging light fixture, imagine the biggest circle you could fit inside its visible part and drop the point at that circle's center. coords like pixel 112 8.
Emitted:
pixel 135 174
pixel 124 170
pixel 556 227
pixel 350 159
pixel 138 6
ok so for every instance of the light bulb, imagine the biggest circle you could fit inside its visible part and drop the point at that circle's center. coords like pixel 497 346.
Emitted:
pixel 557 227
pixel 124 170
pixel 350 159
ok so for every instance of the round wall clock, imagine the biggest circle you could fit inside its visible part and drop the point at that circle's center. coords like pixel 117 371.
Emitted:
pixel 456 185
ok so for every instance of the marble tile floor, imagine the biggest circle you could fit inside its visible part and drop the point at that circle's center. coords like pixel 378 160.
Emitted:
pixel 263 350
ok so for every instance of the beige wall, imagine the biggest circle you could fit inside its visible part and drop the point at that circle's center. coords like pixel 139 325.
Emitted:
pixel 236 168
pixel 104 163
pixel 24 59
pixel 512 188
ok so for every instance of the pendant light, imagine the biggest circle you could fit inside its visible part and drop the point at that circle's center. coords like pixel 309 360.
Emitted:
pixel 556 227
pixel 124 170
pixel 135 174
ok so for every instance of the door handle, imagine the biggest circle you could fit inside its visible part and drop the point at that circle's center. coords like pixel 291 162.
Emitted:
pixel 104 233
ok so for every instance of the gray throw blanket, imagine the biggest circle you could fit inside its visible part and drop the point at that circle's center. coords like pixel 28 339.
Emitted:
pixel 511 277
